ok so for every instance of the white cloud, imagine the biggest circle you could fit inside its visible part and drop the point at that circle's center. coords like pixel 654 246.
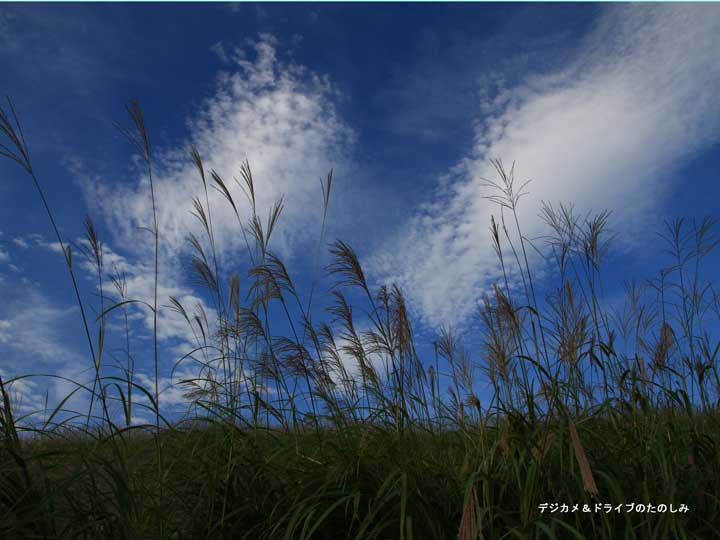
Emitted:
pixel 174 332
pixel 278 116
pixel 139 281
pixel 603 133
pixel 172 392
pixel 32 326
pixel 5 331
pixel 25 394
pixel 176 390
pixel 55 247
pixel 36 337
pixel 4 256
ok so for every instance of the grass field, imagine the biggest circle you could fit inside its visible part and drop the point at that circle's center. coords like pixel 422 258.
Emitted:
pixel 588 405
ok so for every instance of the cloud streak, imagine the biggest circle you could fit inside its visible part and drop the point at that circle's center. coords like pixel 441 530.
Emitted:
pixel 602 133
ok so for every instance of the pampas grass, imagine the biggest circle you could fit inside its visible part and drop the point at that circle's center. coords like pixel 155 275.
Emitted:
pixel 342 426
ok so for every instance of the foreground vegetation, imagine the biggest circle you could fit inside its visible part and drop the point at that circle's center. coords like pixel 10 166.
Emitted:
pixel 347 428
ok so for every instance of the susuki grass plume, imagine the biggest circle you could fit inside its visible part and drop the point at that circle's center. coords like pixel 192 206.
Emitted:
pixel 328 416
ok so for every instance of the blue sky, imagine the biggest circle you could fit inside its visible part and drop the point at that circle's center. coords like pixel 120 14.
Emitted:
pixel 606 106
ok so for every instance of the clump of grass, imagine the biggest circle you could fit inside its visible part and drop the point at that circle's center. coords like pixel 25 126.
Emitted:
pixel 342 428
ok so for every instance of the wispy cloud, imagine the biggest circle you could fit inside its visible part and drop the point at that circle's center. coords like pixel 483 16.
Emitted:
pixel 25 394
pixel 21 243
pixel 32 327
pixel 34 339
pixel 602 133
pixel 138 281
pixel 279 116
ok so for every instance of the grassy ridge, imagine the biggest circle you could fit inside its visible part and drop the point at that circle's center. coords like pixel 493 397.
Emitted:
pixel 342 429
pixel 370 483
